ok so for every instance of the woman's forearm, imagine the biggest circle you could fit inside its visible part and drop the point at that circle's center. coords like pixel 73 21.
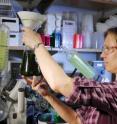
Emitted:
pixel 53 73
pixel 67 113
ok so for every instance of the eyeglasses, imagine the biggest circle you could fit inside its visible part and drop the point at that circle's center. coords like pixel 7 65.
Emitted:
pixel 107 49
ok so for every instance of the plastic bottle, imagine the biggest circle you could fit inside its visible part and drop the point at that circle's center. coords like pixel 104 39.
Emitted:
pixel 83 67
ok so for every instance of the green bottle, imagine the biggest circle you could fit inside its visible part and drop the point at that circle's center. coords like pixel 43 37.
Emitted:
pixel 29 66
pixel 83 67
pixel 52 40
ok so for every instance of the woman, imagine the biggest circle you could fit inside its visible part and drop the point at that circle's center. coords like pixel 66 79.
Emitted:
pixel 98 101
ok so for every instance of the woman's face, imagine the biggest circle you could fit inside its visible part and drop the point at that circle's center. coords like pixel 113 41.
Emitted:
pixel 109 53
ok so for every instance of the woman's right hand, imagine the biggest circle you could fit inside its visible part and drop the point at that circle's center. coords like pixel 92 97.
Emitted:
pixel 30 38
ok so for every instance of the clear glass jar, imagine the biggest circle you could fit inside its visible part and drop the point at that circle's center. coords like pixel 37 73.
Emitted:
pixel 4 37
pixel 29 66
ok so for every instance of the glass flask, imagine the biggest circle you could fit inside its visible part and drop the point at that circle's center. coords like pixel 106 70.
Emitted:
pixel 29 66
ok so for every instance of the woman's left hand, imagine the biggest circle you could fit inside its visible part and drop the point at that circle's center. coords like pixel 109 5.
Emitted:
pixel 38 85
pixel 42 89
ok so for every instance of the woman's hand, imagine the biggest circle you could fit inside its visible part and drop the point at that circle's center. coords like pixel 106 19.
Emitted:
pixel 30 38
pixel 30 80
pixel 42 89
pixel 38 85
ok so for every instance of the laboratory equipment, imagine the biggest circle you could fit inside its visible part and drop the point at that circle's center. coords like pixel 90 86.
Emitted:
pixel 81 65
pixel 11 107
pixel 13 25
pixel 99 67
pixel 17 104
pixel 4 35
pixel 29 66
pixel 33 20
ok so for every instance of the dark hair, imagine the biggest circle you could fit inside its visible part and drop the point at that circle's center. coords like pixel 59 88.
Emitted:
pixel 112 30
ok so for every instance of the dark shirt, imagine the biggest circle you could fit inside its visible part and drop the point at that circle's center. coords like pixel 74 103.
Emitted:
pixel 98 101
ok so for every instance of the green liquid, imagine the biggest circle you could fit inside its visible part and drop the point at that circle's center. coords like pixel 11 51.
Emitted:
pixel 82 66
pixel 29 66
pixel 3 50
